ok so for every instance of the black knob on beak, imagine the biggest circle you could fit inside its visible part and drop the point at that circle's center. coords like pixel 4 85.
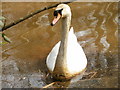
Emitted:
pixel 52 24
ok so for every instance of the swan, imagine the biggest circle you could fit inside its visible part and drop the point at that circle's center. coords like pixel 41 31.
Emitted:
pixel 67 57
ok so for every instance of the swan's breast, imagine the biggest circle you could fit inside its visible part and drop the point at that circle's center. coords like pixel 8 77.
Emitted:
pixel 76 59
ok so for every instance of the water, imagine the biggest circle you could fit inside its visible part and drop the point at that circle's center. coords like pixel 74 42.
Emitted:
pixel 95 25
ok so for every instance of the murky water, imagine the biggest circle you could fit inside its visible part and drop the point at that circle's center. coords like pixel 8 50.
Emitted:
pixel 95 25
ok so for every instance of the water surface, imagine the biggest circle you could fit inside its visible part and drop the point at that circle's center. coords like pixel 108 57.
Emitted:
pixel 95 25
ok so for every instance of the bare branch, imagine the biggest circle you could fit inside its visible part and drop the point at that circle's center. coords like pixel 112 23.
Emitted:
pixel 32 14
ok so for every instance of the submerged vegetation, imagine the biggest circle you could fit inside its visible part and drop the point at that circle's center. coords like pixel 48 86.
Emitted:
pixel 2 24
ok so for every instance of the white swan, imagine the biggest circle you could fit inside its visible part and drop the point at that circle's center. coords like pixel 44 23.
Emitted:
pixel 67 57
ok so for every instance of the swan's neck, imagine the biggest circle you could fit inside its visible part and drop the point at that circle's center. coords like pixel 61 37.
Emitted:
pixel 61 62
pixel 65 29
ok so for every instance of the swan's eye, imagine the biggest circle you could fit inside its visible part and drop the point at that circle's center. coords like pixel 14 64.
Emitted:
pixel 55 13
pixel 58 11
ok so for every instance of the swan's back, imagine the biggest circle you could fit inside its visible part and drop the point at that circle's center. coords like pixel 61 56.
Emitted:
pixel 76 59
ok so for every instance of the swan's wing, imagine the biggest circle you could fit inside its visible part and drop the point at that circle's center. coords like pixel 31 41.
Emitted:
pixel 51 58
pixel 76 59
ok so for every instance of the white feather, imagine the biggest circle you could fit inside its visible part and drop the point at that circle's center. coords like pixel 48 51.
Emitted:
pixel 76 59
pixel 51 58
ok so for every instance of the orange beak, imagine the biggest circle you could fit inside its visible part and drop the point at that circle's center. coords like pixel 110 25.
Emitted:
pixel 56 19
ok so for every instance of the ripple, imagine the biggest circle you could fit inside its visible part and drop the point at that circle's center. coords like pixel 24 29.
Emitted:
pixel 43 20
pixel 105 44
pixel 94 23
pixel 90 15
pixel 83 33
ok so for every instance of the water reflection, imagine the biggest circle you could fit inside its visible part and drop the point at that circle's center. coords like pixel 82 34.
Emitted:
pixel 95 26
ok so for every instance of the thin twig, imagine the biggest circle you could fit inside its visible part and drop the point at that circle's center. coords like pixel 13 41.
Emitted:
pixel 94 73
pixel 32 14
pixel 49 85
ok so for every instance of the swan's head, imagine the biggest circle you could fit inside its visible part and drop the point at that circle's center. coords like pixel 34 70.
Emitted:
pixel 61 11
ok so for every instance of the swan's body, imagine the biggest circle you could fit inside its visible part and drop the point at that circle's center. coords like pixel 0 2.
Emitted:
pixel 67 57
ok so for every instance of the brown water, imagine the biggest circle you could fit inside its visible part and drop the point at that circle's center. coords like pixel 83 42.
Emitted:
pixel 95 25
